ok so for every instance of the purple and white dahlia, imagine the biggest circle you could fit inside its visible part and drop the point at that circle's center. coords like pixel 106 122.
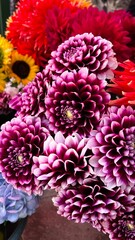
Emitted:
pixel 123 227
pixel 91 202
pixel 75 102
pixel 113 148
pixel 15 204
pixel 64 161
pixel 31 100
pixel 84 50
pixel 20 140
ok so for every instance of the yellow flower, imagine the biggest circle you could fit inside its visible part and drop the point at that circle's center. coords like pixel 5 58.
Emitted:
pixel 2 85
pixel 22 68
pixel 3 76
pixel 5 51
pixel 81 3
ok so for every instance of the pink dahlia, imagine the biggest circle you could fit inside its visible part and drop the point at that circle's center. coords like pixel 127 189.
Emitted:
pixel 84 50
pixel 20 140
pixel 123 227
pixel 31 100
pixel 75 102
pixel 112 146
pixel 91 202
pixel 64 161
pixel 106 25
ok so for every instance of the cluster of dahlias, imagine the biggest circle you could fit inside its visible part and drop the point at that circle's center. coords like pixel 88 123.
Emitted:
pixel 74 124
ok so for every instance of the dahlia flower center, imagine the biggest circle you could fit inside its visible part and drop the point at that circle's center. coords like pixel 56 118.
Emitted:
pixel 21 69
pixel 68 114
pixel 1 57
pixel 17 157
pixel 20 158
pixel 130 144
pixel 130 227
pixel 70 54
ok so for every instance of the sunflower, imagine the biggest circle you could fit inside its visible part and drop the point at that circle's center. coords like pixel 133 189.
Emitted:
pixel 22 68
pixel 2 84
pixel 3 77
pixel 5 51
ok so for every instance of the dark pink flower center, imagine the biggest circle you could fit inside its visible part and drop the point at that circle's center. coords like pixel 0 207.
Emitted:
pixel 71 54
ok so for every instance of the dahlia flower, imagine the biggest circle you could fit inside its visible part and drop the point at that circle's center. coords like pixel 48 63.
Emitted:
pixel 100 23
pixel 29 24
pixel 64 161
pixel 90 202
pixel 128 22
pixel 123 85
pixel 15 204
pixel 31 100
pixel 123 227
pixel 84 50
pixel 112 146
pixel 75 102
pixel 20 140
pixel 60 30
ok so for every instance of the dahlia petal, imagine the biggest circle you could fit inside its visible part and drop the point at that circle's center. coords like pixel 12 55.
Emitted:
pixel 61 149
pixel 93 161
pixel 71 154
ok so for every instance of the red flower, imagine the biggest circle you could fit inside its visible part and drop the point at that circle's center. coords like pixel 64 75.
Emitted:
pixel 30 24
pixel 128 23
pixel 123 84
pixel 106 25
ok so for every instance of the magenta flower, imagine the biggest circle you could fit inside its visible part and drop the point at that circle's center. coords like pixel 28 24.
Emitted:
pixel 75 102
pixel 92 202
pixel 20 140
pixel 31 100
pixel 64 161
pixel 123 227
pixel 84 50
pixel 113 149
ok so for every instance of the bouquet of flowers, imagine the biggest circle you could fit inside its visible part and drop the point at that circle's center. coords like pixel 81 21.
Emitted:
pixel 74 124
